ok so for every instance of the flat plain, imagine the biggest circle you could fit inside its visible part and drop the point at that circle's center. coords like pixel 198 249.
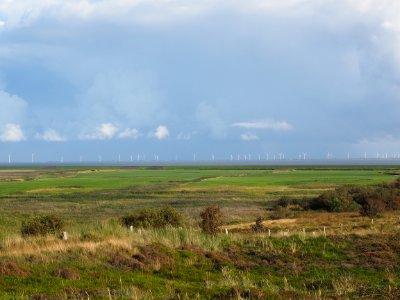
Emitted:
pixel 306 255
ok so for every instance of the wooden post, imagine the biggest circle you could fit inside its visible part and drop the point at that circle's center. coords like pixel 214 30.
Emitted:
pixel 64 236
pixel 372 221
pixel 226 231
pixel 304 231
pixel 324 230
pixel 269 232
pixel 131 228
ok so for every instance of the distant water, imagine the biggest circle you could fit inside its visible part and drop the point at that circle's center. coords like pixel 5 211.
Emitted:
pixel 308 162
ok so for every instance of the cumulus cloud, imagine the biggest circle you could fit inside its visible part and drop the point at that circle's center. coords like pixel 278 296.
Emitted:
pixel 50 135
pixel 12 133
pixel 129 133
pixel 265 124
pixel 160 133
pixel 105 131
pixel 249 137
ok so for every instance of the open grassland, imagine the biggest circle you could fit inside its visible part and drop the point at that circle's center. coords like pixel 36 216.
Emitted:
pixel 311 255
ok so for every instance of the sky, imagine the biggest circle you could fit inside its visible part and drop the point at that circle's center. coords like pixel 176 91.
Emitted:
pixel 174 79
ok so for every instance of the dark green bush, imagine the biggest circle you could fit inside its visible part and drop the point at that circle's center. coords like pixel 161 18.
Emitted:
pixel 211 219
pixel 42 225
pixel 155 218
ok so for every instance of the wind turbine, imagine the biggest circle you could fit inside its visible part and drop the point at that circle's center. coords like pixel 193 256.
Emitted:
pixel 62 160
pixel 194 156
pixel 99 158
pixel 33 157
pixel 9 158
pixel 119 157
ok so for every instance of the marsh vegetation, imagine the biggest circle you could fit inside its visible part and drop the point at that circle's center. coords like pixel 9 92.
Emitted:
pixel 205 233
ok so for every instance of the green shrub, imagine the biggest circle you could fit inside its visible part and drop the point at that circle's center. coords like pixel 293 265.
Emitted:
pixel 169 216
pixel 42 225
pixel 211 219
pixel 149 217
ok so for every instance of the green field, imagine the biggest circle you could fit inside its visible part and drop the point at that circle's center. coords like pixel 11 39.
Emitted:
pixel 104 260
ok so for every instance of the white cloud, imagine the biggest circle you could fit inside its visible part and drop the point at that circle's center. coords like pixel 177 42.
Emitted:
pixel 249 137
pixel 105 131
pixel 122 96
pixel 12 108
pixel 50 135
pixel 12 133
pixel 161 132
pixel 265 124
pixel 129 133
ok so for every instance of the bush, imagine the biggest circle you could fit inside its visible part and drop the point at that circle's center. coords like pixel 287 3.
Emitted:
pixel 169 216
pixel 283 202
pixel 258 226
pixel 148 217
pixel 211 219
pixel 42 225
pixel 372 208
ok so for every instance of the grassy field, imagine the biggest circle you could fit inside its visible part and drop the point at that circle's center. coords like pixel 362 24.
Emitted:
pixel 312 255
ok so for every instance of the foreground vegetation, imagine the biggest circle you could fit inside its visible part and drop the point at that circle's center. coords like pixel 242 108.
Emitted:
pixel 124 242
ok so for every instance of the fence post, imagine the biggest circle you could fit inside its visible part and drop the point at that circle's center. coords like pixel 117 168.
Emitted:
pixel 131 228
pixel 324 230
pixel 269 232
pixel 226 231
pixel 64 236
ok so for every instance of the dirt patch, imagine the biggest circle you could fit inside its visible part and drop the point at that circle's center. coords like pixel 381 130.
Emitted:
pixel 11 268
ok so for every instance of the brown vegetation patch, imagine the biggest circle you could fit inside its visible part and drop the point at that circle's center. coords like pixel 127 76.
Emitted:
pixel 124 261
pixel 54 189
pixel 374 254
pixel 11 268
pixel 265 223
pixel 96 171
pixel 155 256
pixel 66 273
